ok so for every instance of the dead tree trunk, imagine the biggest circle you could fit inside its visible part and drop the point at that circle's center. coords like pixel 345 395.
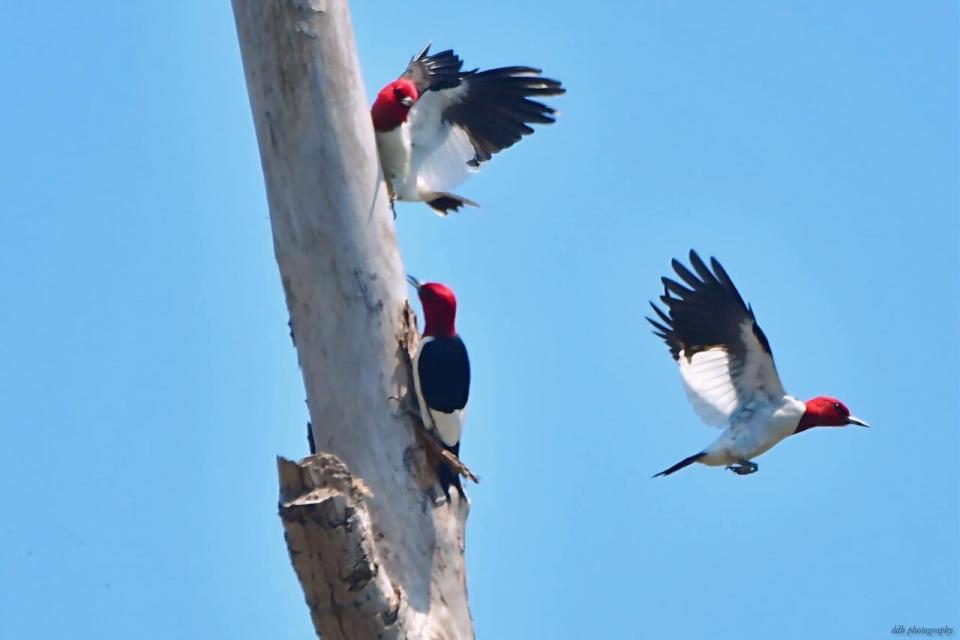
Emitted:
pixel 376 557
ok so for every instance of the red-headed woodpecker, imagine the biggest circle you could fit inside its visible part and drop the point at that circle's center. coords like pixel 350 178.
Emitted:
pixel 728 371
pixel 435 124
pixel 441 374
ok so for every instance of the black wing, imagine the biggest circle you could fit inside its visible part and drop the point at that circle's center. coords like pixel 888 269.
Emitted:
pixel 708 314
pixel 496 107
pixel 434 73
pixel 706 317
pixel 444 372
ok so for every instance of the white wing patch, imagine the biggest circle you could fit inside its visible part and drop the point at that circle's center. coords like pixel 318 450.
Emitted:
pixel 709 386
pixel 449 426
pixel 441 151
pixel 719 385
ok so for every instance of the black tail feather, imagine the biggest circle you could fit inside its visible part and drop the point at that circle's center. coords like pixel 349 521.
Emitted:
pixel 680 465
pixel 449 477
pixel 443 202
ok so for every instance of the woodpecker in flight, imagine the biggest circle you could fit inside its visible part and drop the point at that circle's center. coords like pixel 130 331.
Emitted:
pixel 728 371
pixel 441 374
pixel 436 124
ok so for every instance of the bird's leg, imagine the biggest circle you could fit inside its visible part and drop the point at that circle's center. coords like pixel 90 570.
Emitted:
pixel 393 199
pixel 402 410
pixel 743 467
pixel 405 407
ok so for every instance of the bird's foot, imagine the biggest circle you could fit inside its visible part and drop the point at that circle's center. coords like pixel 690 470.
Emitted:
pixel 393 201
pixel 405 407
pixel 743 467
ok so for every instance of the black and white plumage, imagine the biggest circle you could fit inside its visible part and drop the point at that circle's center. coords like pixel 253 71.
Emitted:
pixel 436 124
pixel 724 356
pixel 728 370
pixel 441 375
pixel 442 378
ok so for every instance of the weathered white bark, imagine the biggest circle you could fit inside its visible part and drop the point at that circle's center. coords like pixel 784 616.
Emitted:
pixel 376 557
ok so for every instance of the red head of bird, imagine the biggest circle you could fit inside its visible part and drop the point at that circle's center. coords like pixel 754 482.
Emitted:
pixel 439 308
pixel 824 411
pixel 393 104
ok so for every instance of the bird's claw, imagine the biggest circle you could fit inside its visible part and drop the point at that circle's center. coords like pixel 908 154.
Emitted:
pixel 743 468
pixel 404 407
pixel 393 201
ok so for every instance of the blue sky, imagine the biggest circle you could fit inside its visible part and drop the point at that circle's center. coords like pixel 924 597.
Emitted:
pixel 148 379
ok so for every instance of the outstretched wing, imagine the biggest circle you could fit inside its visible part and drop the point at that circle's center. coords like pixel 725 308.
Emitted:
pixel 433 73
pixel 453 130
pixel 495 107
pixel 442 154
pixel 724 357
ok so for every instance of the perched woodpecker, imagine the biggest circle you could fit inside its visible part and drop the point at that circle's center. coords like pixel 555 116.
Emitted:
pixel 441 374
pixel 728 371
pixel 436 124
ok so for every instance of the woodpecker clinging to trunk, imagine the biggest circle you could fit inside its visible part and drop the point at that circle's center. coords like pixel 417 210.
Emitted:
pixel 436 124
pixel 728 371
pixel 441 374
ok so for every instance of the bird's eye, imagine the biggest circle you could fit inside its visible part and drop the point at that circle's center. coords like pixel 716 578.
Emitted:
pixel 836 406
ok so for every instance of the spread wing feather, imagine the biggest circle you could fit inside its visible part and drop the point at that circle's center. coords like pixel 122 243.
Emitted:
pixel 442 152
pixel 724 357
pixel 462 118
pixel 496 109
pixel 433 73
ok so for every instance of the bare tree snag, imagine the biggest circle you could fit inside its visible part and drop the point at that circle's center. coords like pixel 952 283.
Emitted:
pixel 377 555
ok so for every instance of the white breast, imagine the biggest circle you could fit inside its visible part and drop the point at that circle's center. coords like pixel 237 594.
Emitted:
pixel 395 152
pixel 754 430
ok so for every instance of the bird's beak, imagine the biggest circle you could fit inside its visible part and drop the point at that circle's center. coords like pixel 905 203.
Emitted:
pixel 414 282
pixel 407 101
pixel 856 421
